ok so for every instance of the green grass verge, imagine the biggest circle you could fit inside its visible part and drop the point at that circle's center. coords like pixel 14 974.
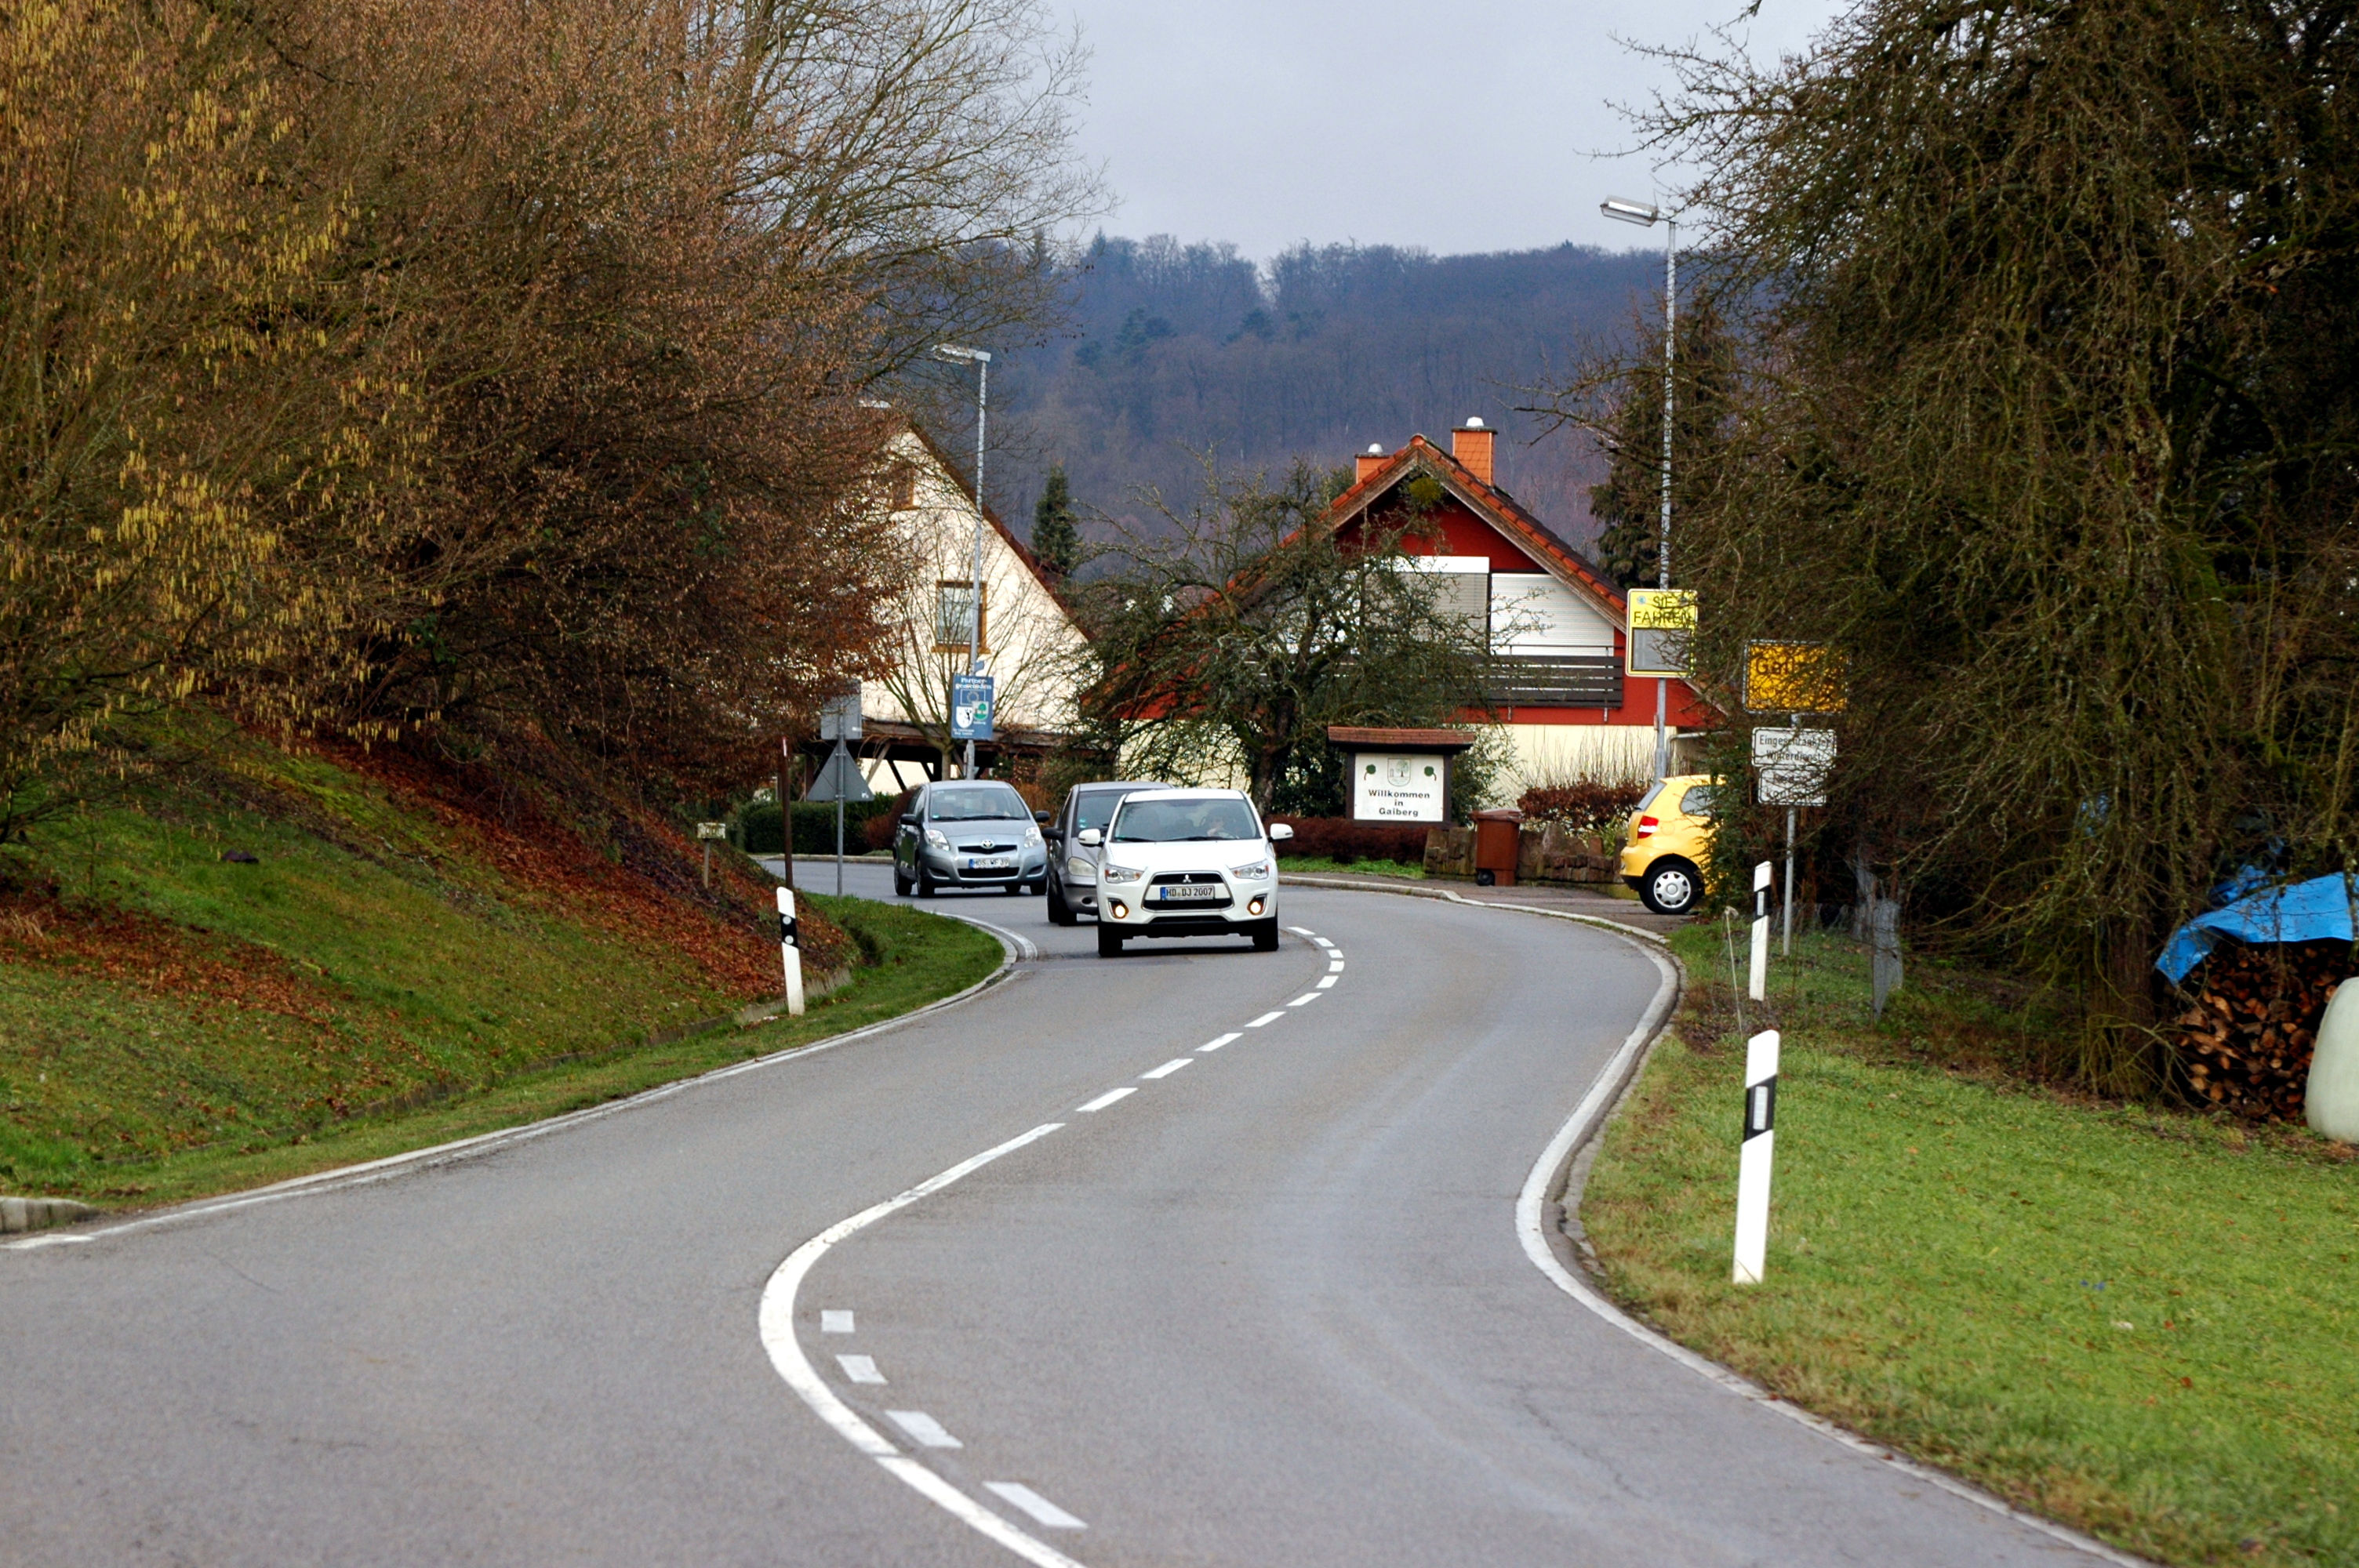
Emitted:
pixel 916 959
pixel 1320 865
pixel 385 957
pixel 2141 1322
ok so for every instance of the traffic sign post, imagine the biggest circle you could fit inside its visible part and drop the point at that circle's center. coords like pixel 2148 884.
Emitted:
pixel 1791 765
pixel 839 781
pixel 1662 623
pixel 706 832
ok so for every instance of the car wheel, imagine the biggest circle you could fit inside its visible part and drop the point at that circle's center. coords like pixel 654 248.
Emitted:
pixel 1109 941
pixel 1265 936
pixel 1670 886
pixel 900 883
pixel 1060 911
pixel 925 883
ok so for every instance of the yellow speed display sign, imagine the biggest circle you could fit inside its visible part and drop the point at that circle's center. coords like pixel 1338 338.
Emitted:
pixel 1793 678
pixel 1662 625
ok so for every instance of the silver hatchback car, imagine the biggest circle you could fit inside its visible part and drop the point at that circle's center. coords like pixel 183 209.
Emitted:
pixel 961 833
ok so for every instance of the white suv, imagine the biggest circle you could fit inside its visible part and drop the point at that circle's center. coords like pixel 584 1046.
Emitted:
pixel 1185 862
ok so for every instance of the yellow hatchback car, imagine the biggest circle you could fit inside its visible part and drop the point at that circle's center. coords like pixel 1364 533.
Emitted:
pixel 1669 842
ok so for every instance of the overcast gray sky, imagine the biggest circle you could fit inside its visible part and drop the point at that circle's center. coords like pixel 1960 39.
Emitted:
pixel 1474 126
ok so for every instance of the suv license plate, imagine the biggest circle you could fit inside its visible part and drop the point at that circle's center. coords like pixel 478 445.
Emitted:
pixel 1188 892
pixel 991 863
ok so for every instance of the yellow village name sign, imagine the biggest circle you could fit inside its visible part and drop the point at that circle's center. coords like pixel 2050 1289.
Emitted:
pixel 1662 626
pixel 1793 678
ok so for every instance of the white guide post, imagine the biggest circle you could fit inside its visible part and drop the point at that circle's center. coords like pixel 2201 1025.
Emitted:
pixel 1753 1154
pixel 1759 975
pixel 791 952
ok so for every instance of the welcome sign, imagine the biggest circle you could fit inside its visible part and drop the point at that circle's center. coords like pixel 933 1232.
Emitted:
pixel 1398 786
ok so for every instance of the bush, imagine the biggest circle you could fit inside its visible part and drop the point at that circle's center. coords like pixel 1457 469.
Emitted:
pixel 1584 805
pixel 757 826
pixel 1342 840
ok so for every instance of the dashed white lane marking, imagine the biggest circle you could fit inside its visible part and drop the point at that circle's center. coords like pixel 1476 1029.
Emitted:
pixel 1210 1045
pixel 1306 996
pixel 923 1429
pixel 1320 940
pixel 860 1368
pixel 1266 1018
pixel 1302 931
pixel 778 1327
pixel 1167 1068
pixel 1033 1503
pixel 834 1320
pixel 1326 983
pixel 1336 967
pixel 1111 1095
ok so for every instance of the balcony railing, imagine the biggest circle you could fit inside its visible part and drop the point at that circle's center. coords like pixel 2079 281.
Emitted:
pixel 1576 680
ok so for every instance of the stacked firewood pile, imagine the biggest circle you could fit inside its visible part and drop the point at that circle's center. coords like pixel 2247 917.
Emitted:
pixel 2246 1041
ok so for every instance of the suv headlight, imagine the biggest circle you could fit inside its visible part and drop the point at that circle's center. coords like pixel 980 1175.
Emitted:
pixel 1121 873
pixel 1252 874
pixel 934 837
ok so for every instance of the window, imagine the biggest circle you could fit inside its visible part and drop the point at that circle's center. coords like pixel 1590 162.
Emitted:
pixel 1095 808
pixel 1697 802
pixel 1461 585
pixel 977 802
pixel 955 614
pixel 1152 819
pixel 901 482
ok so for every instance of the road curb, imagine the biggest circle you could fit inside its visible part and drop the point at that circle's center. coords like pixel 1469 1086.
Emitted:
pixel 391 1166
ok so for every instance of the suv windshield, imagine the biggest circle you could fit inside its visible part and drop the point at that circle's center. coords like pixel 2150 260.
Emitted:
pixel 1095 808
pixel 1145 819
pixel 977 802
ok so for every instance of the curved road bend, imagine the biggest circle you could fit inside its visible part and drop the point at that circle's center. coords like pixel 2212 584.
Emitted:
pixel 1270 1308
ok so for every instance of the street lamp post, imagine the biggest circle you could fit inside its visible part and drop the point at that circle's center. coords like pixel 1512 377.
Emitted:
pixel 981 359
pixel 1647 215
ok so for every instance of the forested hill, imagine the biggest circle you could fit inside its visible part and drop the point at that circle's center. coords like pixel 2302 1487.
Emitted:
pixel 1325 350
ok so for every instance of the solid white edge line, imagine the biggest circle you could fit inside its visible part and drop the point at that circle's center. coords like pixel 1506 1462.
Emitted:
pixel 1228 1039
pixel 777 1320
pixel 1531 1208
pixel 1267 1018
pixel 1108 1098
pixel 370 1172
pixel 1033 1503
pixel 1167 1068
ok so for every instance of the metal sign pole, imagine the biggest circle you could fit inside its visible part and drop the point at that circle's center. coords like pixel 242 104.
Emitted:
pixel 837 762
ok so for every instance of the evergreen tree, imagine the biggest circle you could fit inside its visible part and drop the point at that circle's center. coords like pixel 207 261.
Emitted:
pixel 1056 542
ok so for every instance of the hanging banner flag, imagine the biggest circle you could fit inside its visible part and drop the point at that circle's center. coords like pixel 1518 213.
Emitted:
pixel 971 707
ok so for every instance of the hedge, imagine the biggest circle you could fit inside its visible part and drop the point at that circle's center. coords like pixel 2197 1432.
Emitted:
pixel 758 826
pixel 1342 839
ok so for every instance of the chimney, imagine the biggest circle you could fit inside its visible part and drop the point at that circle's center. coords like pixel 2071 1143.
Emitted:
pixel 1368 462
pixel 1470 445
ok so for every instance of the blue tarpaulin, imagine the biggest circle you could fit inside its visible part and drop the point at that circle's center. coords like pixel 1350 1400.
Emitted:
pixel 2316 910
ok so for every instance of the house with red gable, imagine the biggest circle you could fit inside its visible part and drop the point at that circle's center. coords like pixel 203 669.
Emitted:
pixel 1556 623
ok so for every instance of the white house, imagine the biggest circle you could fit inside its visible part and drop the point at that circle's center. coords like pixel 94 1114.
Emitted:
pixel 1031 645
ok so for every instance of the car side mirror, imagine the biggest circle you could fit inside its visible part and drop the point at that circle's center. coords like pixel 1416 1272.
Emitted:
pixel 1090 838
pixel 1041 817
pixel 1280 830
pixel 909 821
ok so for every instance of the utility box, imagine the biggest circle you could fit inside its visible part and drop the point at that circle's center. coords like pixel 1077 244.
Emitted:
pixel 1498 842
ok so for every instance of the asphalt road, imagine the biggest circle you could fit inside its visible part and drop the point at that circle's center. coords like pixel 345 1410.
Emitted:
pixel 1269 1308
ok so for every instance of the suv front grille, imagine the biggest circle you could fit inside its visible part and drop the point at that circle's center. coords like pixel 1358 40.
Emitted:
pixel 1186 878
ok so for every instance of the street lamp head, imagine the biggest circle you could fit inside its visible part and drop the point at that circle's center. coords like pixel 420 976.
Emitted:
pixel 1624 210
pixel 952 352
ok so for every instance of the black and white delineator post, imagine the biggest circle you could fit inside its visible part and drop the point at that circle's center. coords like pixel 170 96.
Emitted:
pixel 791 951
pixel 1753 1154
pixel 1759 975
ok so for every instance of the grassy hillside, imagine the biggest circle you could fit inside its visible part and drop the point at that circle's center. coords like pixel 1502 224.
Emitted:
pixel 2133 1319
pixel 249 949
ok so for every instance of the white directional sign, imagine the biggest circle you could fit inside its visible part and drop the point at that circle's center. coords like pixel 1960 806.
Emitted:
pixel 1793 764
